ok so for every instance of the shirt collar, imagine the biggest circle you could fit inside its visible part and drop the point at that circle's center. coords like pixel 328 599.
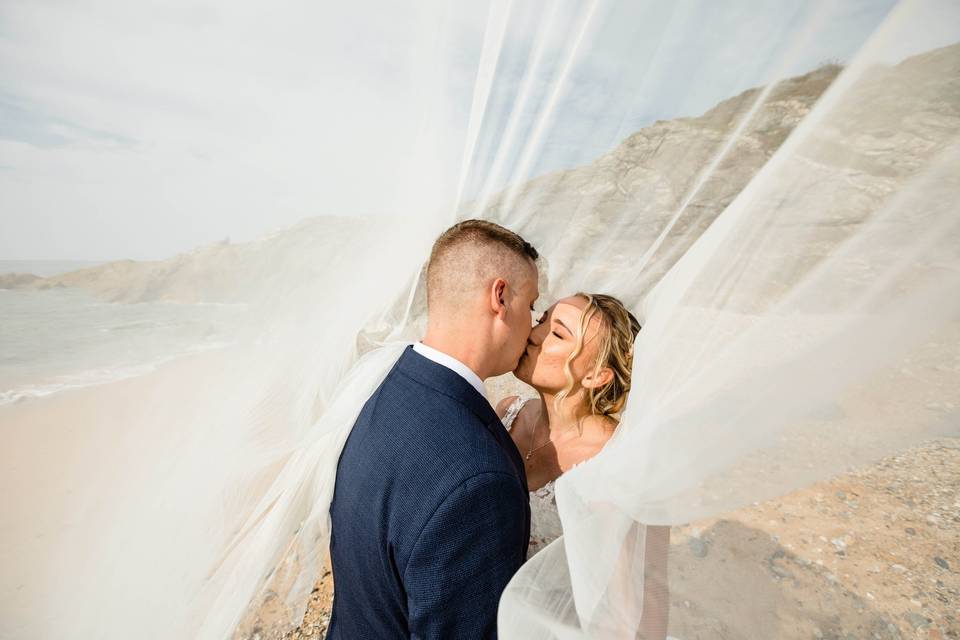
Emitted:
pixel 453 364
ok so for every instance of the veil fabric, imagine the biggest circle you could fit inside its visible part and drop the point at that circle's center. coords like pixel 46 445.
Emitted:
pixel 793 254
pixel 773 351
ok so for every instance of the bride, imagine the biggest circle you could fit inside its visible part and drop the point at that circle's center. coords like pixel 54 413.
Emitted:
pixel 578 359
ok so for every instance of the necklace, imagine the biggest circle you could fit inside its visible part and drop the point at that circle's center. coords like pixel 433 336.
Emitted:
pixel 533 438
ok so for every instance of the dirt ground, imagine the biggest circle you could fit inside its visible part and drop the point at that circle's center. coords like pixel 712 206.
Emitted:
pixel 870 554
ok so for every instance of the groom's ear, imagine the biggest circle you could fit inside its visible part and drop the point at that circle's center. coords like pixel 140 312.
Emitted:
pixel 597 379
pixel 497 291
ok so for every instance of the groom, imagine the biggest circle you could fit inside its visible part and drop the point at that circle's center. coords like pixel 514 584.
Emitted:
pixel 430 513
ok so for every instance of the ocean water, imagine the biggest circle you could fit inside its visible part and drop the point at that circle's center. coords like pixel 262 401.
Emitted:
pixel 62 339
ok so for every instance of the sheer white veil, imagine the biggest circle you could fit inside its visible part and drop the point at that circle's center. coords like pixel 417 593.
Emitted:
pixel 773 352
pixel 794 259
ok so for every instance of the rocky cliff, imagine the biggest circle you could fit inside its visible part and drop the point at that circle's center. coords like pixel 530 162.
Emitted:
pixel 879 131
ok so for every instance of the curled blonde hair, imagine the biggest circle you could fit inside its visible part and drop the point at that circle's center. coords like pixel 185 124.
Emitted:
pixel 618 329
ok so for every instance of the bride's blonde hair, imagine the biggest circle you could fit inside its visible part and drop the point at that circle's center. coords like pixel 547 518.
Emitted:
pixel 618 329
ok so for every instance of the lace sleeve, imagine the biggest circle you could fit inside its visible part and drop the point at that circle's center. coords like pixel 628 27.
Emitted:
pixel 512 412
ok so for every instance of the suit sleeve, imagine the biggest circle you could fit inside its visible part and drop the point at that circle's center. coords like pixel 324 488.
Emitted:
pixel 464 558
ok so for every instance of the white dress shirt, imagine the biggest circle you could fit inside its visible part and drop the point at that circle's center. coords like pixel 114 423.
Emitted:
pixel 453 364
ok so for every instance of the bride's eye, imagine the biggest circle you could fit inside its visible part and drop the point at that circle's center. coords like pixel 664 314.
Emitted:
pixel 557 334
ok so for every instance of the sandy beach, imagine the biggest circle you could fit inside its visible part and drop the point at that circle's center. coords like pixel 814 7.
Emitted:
pixel 71 463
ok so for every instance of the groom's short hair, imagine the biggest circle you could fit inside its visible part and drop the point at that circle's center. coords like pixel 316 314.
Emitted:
pixel 469 254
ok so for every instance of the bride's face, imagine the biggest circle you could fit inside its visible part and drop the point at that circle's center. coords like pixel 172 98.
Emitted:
pixel 552 341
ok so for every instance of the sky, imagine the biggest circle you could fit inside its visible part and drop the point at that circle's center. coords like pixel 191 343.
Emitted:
pixel 139 129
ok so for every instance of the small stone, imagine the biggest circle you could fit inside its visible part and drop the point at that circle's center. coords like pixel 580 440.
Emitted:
pixel 858 603
pixel 899 568
pixel 943 564
pixel 911 531
pixel 841 495
pixel 780 572
pixel 817 633
pixel 916 620
pixel 698 547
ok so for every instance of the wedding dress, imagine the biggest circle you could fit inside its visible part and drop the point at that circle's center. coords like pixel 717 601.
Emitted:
pixel 545 526
pixel 545 523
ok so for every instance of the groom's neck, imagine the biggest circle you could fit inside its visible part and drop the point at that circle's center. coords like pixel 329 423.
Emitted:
pixel 452 342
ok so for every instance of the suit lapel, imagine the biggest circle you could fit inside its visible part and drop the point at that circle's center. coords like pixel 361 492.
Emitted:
pixel 450 383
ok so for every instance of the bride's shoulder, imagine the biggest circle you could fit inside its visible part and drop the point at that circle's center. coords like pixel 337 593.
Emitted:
pixel 597 430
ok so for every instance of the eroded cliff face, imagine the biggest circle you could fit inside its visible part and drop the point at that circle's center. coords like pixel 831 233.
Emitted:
pixel 637 188
pixel 863 144
pixel 616 207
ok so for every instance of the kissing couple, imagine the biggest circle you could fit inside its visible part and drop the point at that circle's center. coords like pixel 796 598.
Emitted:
pixel 440 497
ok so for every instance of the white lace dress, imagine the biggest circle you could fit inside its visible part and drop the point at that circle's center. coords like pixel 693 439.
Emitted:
pixel 544 518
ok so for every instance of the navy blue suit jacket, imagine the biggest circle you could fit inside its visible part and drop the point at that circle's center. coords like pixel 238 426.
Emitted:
pixel 431 515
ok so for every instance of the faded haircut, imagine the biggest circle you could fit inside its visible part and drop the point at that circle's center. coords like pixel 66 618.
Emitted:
pixel 469 255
